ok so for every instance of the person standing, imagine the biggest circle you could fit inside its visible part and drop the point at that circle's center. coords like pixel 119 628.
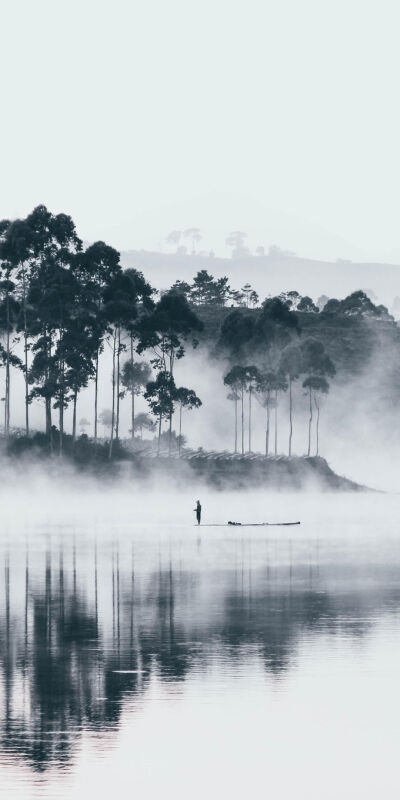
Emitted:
pixel 198 511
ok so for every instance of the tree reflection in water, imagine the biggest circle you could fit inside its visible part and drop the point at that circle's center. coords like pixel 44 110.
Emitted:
pixel 80 637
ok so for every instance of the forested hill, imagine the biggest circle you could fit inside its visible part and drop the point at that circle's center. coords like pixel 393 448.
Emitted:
pixel 355 342
pixel 272 273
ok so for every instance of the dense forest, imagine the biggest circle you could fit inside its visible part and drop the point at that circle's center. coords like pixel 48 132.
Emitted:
pixel 61 303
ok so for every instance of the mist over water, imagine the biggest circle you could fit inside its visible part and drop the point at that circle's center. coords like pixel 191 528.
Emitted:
pixel 139 651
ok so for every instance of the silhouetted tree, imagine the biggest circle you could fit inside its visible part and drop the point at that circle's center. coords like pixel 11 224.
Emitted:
pixel 307 305
pixel 186 398
pixel 202 288
pixel 317 365
pixel 291 365
pixel 53 289
pixel 18 247
pixel 276 324
pixel 135 376
pixel 253 381
pixel 317 385
pixel 100 266
pixel 124 296
pixel 161 395
pixel 165 330
pixel 9 311
pixel 182 287
pixel 241 379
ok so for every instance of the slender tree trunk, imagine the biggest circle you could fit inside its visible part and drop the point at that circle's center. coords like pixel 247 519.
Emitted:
pixel 249 419
pixel 49 424
pixel 170 433
pixel 159 434
pixel 310 423
pixel 132 395
pixel 118 382
pixel 317 407
pixel 74 417
pixel 236 424
pixel 171 367
pixel 290 417
pixel 61 425
pixel 61 415
pixel 113 397
pixel 96 383
pixel 242 421
pixel 276 422
pixel 48 415
pixel 268 426
pixel 7 397
pixel 180 428
pixel 25 353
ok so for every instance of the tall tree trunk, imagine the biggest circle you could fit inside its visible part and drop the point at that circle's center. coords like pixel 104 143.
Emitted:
pixel 276 422
pixel 7 397
pixel 118 381
pixel 236 423
pixel 48 416
pixel 113 398
pixel 132 395
pixel 268 426
pixel 310 423
pixel 180 429
pixel 171 367
pixel 25 352
pixel 170 433
pixel 290 416
pixel 61 425
pixel 49 424
pixel 249 419
pixel 317 407
pixel 242 421
pixel 74 417
pixel 61 415
pixel 96 384
pixel 159 434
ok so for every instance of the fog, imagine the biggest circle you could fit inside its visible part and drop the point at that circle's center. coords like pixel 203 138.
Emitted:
pixel 275 118
pixel 359 434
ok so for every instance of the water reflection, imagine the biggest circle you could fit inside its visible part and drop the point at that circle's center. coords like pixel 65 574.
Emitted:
pixel 84 628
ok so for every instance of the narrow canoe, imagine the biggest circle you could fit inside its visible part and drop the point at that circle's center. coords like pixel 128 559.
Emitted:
pixel 245 524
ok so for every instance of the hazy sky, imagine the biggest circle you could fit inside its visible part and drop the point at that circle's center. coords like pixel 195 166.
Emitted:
pixel 278 118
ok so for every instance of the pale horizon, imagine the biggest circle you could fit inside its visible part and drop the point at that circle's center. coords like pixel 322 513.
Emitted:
pixel 276 119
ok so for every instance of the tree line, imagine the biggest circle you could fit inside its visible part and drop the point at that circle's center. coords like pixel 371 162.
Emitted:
pixel 280 359
pixel 205 290
pixel 62 305
pixel 66 304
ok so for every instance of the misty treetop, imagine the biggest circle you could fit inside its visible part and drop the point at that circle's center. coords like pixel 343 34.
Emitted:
pixel 205 290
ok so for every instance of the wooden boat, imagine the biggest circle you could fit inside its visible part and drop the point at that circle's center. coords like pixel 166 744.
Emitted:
pixel 247 524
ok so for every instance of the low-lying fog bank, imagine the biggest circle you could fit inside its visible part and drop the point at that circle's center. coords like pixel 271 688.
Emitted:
pixel 223 471
pixel 38 501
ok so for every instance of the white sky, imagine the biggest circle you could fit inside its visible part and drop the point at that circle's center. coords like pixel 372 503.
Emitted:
pixel 277 117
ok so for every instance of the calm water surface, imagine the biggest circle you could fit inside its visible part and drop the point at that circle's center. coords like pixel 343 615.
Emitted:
pixel 140 658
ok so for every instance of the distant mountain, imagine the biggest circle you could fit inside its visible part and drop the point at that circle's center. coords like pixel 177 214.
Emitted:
pixel 271 274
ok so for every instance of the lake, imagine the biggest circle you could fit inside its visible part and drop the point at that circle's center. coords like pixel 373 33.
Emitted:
pixel 142 656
